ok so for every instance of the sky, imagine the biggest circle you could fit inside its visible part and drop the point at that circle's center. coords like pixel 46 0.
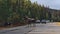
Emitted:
pixel 53 4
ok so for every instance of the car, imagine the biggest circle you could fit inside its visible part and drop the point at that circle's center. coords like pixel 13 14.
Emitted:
pixel 43 21
pixel 37 21
pixel 47 21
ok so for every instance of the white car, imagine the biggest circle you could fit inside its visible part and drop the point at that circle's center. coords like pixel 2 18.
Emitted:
pixel 47 21
pixel 43 21
pixel 37 21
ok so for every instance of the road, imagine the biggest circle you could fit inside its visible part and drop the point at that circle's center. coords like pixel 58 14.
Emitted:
pixel 16 30
pixel 49 28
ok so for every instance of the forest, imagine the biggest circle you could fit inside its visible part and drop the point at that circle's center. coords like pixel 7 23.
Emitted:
pixel 13 11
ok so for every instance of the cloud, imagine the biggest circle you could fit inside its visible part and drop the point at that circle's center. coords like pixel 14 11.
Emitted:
pixel 54 4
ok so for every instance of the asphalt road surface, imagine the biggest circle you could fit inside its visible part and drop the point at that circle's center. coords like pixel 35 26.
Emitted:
pixel 49 28
pixel 16 30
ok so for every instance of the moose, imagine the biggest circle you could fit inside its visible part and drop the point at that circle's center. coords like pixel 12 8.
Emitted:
pixel 29 21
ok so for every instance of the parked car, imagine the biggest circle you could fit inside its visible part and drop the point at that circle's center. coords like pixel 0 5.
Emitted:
pixel 37 21
pixel 43 21
pixel 47 21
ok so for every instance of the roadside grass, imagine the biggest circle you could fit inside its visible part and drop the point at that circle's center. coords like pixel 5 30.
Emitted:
pixel 58 23
pixel 11 26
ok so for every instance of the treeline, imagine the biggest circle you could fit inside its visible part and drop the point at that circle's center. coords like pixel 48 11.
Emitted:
pixel 13 11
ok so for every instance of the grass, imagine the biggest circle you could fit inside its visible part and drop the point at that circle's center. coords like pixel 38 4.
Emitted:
pixel 58 23
pixel 15 25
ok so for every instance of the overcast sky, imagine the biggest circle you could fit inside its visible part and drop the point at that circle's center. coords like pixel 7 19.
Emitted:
pixel 54 4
